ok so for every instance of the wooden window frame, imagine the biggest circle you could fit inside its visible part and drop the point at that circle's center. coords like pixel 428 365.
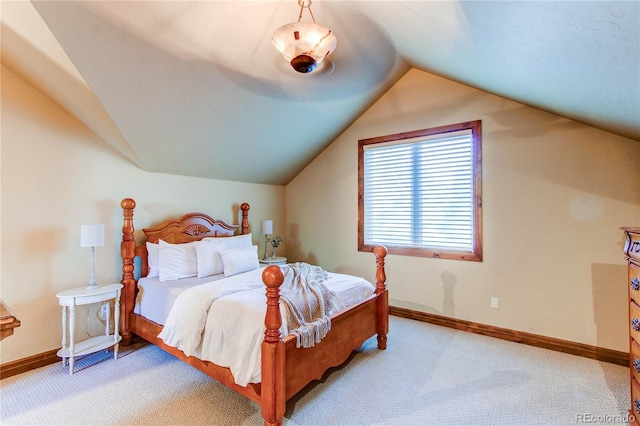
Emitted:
pixel 476 253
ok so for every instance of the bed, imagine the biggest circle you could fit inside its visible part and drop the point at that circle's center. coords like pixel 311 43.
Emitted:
pixel 284 367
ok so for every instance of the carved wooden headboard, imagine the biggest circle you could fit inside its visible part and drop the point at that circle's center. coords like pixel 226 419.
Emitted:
pixel 188 228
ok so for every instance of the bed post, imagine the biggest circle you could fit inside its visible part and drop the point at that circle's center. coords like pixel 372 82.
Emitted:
pixel 273 379
pixel 383 297
pixel 127 253
pixel 244 227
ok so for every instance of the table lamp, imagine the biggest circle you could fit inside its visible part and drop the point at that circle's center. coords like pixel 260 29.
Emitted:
pixel 92 236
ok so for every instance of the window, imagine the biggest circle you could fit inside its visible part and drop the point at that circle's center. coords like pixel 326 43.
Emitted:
pixel 420 193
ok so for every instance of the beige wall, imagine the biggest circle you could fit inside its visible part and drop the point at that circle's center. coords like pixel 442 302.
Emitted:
pixel 56 175
pixel 555 193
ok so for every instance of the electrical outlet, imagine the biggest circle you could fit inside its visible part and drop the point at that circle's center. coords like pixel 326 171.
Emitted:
pixel 495 304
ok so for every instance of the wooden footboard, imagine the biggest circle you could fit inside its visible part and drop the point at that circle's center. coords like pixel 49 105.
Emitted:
pixel 349 329
pixel 285 368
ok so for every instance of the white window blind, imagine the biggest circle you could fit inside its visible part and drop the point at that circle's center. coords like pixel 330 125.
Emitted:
pixel 419 193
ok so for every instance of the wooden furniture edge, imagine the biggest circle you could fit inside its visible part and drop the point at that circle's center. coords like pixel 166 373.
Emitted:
pixel 632 256
pixel 566 346
pixel 8 321
pixel 23 365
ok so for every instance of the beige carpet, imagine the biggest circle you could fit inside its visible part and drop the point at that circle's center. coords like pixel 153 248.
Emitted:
pixel 429 375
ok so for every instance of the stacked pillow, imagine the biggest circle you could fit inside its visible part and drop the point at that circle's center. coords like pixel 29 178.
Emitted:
pixel 209 256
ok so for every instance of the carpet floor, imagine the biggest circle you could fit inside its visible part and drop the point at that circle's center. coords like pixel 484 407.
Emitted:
pixel 429 375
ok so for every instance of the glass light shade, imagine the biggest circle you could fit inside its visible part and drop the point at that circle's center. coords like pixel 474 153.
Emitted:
pixel 304 44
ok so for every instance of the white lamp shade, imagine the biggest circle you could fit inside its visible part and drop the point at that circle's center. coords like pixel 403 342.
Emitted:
pixel 91 235
pixel 266 227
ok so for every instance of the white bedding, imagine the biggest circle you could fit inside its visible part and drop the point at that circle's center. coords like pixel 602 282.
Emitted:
pixel 222 319
pixel 155 298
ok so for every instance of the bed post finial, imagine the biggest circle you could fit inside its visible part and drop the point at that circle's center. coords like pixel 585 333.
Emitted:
pixel 127 253
pixel 244 227
pixel 383 296
pixel 272 277
pixel 273 379
pixel 380 252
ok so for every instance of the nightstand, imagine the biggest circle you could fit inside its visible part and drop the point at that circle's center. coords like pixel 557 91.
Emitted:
pixel 69 299
pixel 274 261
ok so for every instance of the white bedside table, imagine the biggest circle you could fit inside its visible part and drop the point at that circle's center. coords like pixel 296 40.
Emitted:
pixel 274 261
pixel 69 299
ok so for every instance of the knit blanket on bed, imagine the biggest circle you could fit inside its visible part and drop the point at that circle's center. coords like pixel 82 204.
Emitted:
pixel 307 302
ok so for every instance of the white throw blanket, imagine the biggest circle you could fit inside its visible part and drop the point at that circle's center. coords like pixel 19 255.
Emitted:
pixel 188 316
pixel 307 303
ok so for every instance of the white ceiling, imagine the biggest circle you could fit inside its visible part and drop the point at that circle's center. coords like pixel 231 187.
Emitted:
pixel 195 88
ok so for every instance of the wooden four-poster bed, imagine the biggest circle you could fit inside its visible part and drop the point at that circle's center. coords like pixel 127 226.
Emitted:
pixel 285 368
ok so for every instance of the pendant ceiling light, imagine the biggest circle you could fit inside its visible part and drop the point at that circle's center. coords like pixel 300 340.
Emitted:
pixel 304 44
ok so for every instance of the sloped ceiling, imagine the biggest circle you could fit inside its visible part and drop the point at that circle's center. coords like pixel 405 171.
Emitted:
pixel 195 88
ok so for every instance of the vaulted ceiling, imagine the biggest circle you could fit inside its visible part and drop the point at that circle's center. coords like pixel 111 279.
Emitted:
pixel 196 88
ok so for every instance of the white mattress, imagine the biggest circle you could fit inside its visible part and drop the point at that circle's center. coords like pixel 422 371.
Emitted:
pixel 224 319
pixel 155 298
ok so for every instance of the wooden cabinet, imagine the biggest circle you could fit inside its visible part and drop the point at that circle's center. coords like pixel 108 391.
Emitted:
pixel 632 252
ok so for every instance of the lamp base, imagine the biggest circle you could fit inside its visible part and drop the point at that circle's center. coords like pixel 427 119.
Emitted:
pixel 92 286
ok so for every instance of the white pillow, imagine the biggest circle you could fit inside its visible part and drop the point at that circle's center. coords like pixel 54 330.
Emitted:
pixel 177 261
pixel 237 241
pixel 208 256
pixel 152 259
pixel 238 260
pixel 208 252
